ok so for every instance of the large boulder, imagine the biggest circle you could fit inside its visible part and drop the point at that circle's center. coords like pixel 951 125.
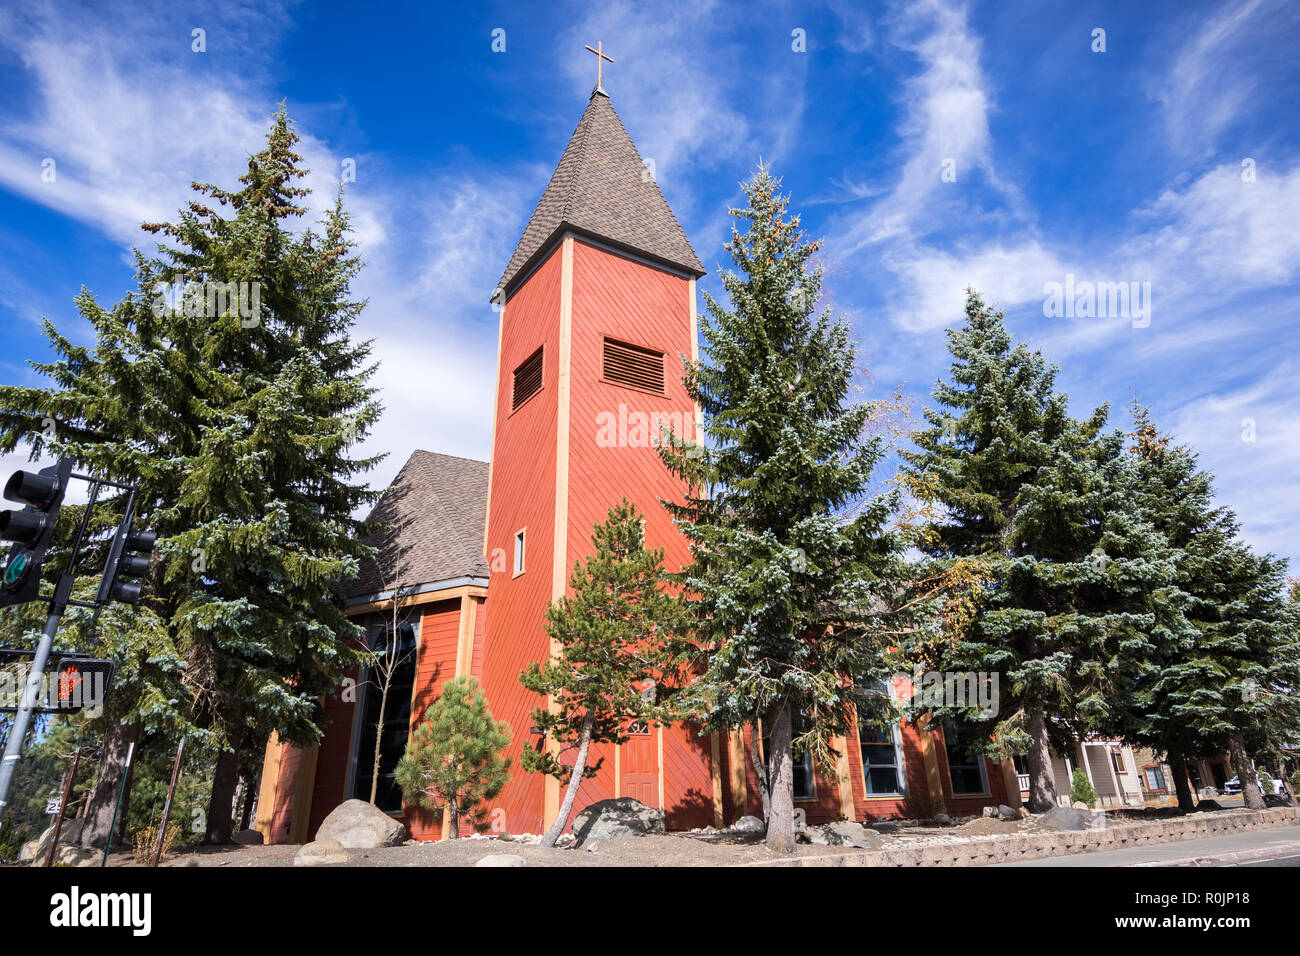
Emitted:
pixel 359 826
pixel 620 817
pixel 844 833
pixel 248 838
pixel 326 852
pixel 1065 818
pixel 69 835
pixel 748 824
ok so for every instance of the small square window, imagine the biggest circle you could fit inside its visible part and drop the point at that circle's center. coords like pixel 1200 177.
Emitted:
pixel 519 553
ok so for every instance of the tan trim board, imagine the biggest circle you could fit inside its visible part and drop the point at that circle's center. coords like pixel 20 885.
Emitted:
pixel 659 744
pixel 559 553
pixel 847 809
pixel 266 790
pixel 739 781
pixel 715 772
pixel 415 600
pixel 496 400
pixel 930 758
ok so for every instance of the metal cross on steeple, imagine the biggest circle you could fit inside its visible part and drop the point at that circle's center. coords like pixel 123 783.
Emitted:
pixel 600 55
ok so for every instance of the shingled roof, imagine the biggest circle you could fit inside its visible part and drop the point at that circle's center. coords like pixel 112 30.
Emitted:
pixel 434 515
pixel 601 188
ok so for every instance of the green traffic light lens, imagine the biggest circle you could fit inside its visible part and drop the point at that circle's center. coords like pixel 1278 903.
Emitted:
pixel 16 569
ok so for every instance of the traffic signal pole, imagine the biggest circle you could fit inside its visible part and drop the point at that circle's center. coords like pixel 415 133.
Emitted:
pixel 32 690
pixel 58 604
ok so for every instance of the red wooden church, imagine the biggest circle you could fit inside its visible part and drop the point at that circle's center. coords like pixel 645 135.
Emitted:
pixel 597 307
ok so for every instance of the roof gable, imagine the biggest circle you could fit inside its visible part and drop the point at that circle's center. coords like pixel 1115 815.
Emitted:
pixel 432 521
pixel 601 187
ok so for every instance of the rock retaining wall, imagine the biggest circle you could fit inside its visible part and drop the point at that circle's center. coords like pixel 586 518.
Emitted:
pixel 980 851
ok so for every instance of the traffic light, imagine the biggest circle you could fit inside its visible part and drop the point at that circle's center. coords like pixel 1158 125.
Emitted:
pixel 128 557
pixel 30 529
pixel 80 682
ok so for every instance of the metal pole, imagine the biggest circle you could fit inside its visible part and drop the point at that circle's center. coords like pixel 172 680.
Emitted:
pixel 68 778
pixel 31 694
pixel 167 807
pixel 112 831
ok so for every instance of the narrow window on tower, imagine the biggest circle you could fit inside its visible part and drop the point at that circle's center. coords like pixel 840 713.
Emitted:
pixel 528 379
pixel 519 552
pixel 634 366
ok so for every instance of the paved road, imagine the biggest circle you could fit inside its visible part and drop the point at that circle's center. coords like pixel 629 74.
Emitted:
pixel 1273 846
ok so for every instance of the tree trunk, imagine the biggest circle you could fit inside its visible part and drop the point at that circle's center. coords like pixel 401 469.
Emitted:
pixel 221 804
pixel 1245 773
pixel 118 738
pixel 780 775
pixel 379 739
pixel 566 807
pixel 246 814
pixel 760 772
pixel 453 820
pixel 1279 771
pixel 1182 783
pixel 1038 760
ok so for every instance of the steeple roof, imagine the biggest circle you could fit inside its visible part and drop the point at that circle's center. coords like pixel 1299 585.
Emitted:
pixel 601 188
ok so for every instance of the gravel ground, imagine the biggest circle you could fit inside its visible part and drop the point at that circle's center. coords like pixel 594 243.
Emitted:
pixel 673 849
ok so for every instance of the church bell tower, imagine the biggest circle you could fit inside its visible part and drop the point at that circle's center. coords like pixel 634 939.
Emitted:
pixel 597 310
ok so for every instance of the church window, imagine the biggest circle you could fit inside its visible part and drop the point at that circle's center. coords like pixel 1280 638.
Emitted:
pixel 399 648
pixel 882 762
pixel 632 365
pixel 965 770
pixel 528 379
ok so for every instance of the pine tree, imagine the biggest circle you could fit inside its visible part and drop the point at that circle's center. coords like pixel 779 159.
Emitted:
pixel 618 658
pixel 232 410
pixel 1223 679
pixel 792 560
pixel 453 758
pixel 1023 493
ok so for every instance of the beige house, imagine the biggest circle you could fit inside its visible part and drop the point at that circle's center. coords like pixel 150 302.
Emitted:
pixel 1110 765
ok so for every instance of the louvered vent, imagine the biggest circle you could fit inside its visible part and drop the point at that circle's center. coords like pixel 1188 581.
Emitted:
pixel 528 379
pixel 630 365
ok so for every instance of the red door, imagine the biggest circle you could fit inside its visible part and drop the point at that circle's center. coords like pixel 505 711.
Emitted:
pixel 640 765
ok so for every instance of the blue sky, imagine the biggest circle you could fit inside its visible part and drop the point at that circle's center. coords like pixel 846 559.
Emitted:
pixel 1117 166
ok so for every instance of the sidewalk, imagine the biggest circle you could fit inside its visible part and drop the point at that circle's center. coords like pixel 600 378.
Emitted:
pixel 1246 848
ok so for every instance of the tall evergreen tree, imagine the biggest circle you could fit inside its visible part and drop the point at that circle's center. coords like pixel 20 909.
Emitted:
pixel 617 661
pixel 792 558
pixel 1023 492
pixel 1224 679
pixel 233 410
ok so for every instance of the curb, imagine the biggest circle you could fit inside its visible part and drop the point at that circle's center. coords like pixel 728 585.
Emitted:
pixel 1227 859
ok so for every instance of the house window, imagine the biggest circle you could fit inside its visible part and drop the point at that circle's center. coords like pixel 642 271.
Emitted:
pixel 1117 761
pixel 528 379
pixel 1155 778
pixel 966 771
pixel 634 366
pixel 519 553
pixel 882 760
pixel 804 788
pixel 398 648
